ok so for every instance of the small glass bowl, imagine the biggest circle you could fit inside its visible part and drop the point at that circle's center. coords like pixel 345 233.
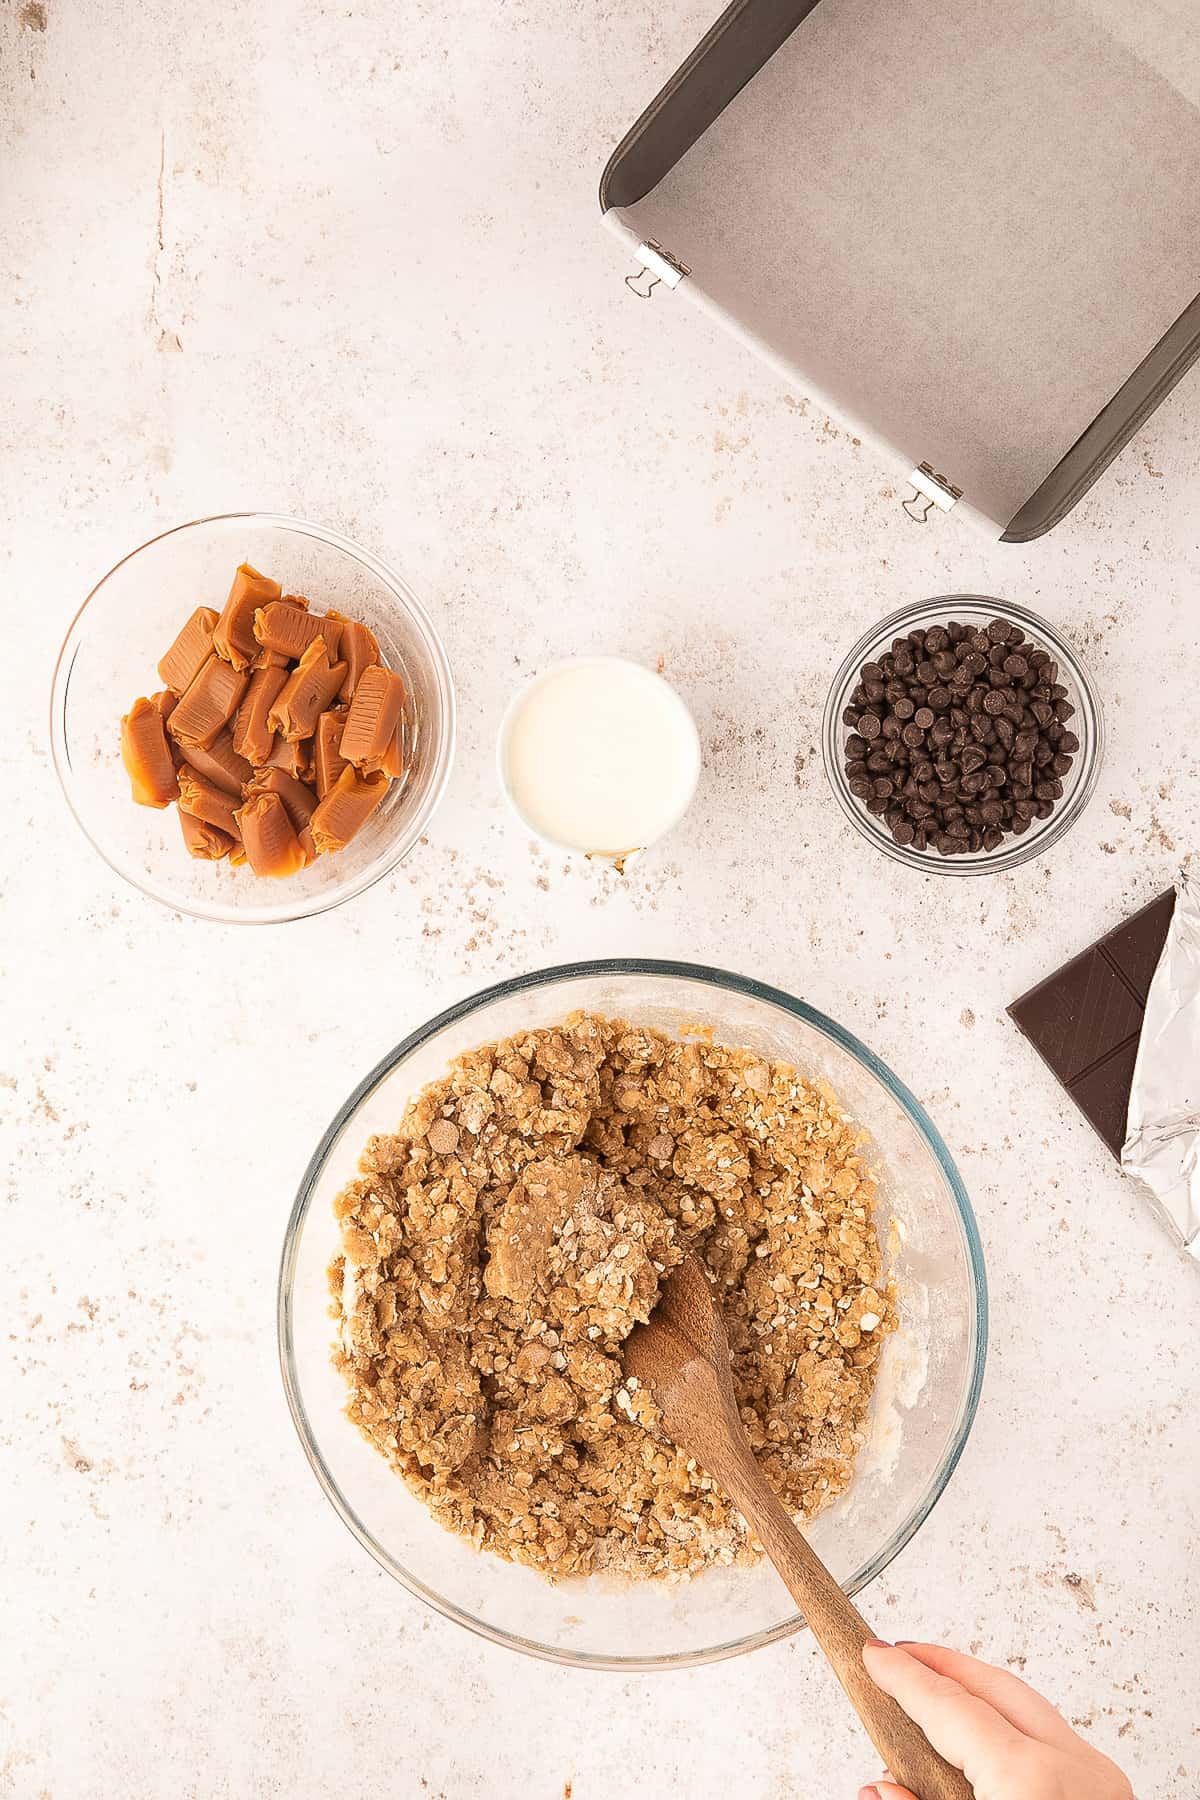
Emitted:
pixel 930 1371
pixel 109 658
pixel 1087 724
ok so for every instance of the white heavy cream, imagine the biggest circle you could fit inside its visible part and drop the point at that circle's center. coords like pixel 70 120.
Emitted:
pixel 599 755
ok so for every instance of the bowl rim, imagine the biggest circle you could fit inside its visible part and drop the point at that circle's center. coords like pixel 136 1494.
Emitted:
pixel 1015 850
pixel 714 977
pixel 281 913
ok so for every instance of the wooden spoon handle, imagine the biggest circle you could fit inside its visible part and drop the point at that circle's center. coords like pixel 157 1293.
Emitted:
pixel 841 1631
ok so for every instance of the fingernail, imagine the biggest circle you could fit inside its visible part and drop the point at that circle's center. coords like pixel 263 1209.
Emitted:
pixel 871 1793
pixel 877 1644
pixel 902 1642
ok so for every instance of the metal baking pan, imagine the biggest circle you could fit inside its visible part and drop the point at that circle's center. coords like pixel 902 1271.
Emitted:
pixel 972 232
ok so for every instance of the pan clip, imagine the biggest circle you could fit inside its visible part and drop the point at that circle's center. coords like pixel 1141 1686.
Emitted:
pixel 657 266
pixel 929 490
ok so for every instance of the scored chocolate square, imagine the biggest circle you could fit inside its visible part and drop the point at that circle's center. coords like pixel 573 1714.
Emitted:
pixel 1085 1019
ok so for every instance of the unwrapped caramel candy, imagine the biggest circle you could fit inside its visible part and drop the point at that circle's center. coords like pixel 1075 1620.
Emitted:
pixel 220 763
pixel 208 843
pixel 147 755
pixel 249 733
pixel 253 735
pixel 233 635
pixel 373 722
pixel 212 697
pixel 299 801
pixel 272 847
pixel 358 649
pixel 190 651
pixel 292 757
pixel 327 749
pixel 288 628
pixel 306 693
pixel 205 800
pixel 345 809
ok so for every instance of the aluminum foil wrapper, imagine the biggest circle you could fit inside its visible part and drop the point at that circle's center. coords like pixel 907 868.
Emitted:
pixel 1162 1141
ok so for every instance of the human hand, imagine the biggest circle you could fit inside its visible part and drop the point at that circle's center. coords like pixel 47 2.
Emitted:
pixel 1009 1742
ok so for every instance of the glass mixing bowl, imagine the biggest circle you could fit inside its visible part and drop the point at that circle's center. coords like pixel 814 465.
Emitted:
pixel 930 1373
pixel 128 621
pixel 1087 724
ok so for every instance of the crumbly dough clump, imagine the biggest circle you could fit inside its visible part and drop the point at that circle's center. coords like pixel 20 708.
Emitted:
pixel 500 1246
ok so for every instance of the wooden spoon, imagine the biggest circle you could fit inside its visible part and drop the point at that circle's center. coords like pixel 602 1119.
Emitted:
pixel 681 1354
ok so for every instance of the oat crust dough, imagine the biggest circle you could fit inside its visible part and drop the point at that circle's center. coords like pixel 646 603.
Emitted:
pixel 498 1248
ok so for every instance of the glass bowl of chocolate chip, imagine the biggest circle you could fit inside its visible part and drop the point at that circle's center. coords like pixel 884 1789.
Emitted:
pixel 963 735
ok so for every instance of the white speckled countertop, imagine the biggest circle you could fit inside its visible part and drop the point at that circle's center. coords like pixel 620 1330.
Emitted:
pixel 347 262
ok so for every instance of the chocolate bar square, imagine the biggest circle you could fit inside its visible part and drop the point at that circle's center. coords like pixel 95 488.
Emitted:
pixel 1085 1019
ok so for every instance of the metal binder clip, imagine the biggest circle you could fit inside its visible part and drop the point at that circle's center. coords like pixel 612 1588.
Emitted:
pixel 646 293
pixel 929 490
pixel 660 266
pixel 915 499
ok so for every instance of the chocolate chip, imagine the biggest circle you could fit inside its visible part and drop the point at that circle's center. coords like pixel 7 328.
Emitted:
pixel 993 704
pixel 869 725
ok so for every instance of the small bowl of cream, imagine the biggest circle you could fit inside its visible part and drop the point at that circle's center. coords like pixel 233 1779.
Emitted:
pixel 600 756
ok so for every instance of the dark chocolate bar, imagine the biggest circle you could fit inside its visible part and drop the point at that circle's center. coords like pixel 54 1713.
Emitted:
pixel 1085 1020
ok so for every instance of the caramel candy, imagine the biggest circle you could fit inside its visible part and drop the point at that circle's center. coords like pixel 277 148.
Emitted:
pixel 292 757
pixel 270 659
pixel 253 737
pixel 307 846
pixel 221 764
pixel 205 841
pixel 373 719
pixel 299 801
pixel 165 701
pixel 345 809
pixel 205 800
pixel 358 650
pixel 147 755
pixel 392 760
pixel 271 844
pixel 190 651
pixel 309 689
pixel 210 700
pixel 233 634
pixel 327 753
pixel 289 629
